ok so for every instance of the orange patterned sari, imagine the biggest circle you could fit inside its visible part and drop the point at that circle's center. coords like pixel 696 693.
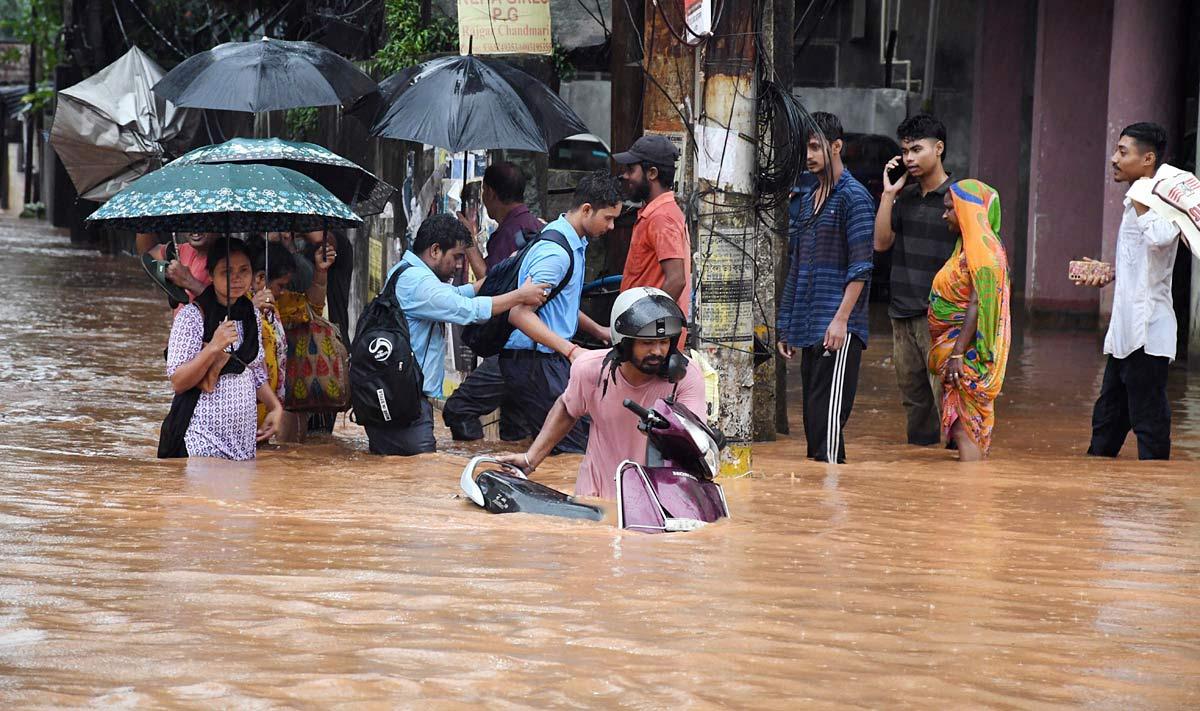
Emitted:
pixel 978 265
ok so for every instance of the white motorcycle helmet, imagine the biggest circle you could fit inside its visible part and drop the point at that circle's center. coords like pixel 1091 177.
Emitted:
pixel 644 312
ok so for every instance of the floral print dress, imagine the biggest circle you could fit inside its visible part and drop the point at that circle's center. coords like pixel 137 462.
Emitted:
pixel 225 423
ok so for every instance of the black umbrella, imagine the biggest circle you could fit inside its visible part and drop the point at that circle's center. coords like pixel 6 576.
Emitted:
pixel 468 103
pixel 264 75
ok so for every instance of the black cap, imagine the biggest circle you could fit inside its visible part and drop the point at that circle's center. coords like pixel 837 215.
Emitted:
pixel 652 148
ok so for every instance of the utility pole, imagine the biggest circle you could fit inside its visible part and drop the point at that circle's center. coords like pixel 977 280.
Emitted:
pixel 769 374
pixel 1193 351
pixel 670 84
pixel 625 91
pixel 725 172
pixel 770 382
pixel 625 68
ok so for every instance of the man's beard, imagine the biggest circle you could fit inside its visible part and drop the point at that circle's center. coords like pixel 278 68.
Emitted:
pixel 650 365
pixel 639 192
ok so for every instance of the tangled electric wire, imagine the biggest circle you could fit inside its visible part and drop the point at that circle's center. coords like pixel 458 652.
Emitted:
pixel 781 153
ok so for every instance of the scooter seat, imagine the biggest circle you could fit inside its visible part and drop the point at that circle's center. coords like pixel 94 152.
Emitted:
pixel 507 493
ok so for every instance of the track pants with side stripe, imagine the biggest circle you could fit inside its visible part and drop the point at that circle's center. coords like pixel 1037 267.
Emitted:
pixel 829 380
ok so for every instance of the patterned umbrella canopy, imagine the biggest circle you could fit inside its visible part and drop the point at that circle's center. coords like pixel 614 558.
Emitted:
pixel 358 188
pixel 228 197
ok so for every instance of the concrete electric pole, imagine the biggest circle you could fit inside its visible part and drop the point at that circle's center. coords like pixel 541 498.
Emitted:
pixel 725 175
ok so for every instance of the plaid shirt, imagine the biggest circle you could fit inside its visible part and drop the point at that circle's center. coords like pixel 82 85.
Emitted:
pixel 825 254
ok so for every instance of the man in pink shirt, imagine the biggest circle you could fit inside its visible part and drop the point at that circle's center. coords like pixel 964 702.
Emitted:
pixel 188 270
pixel 646 324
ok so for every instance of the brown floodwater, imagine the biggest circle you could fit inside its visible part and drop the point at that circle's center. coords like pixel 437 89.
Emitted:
pixel 320 576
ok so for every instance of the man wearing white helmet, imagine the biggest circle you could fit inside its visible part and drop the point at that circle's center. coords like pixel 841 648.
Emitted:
pixel 645 327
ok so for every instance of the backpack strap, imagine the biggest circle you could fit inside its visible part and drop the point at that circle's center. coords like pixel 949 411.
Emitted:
pixel 561 240
pixel 389 289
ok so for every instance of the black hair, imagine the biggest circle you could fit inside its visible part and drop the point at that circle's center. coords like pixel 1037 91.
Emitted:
pixel 914 128
pixel 666 174
pixel 1149 137
pixel 506 180
pixel 828 124
pixel 443 230
pixel 598 189
pixel 223 248
pixel 275 260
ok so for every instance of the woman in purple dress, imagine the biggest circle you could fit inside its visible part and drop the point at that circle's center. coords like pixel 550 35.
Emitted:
pixel 215 364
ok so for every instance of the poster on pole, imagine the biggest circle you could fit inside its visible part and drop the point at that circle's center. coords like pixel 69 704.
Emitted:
pixel 504 27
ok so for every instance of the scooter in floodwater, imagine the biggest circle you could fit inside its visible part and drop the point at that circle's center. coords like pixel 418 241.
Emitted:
pixel 675 491
pixel 508 490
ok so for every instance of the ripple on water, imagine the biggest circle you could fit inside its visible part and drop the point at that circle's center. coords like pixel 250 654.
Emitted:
pixel 322 576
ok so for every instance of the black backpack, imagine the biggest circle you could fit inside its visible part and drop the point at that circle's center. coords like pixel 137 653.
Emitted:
pixel 489 337
pixel 385 376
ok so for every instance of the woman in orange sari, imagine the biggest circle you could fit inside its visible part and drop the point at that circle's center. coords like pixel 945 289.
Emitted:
pixel 969 319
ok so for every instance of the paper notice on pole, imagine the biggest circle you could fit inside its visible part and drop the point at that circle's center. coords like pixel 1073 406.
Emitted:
pixel 1174 195
pixel 504 27
pixel 725 289
pixel 724 159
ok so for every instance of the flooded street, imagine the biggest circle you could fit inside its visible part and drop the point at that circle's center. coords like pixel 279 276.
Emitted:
pixel 320 576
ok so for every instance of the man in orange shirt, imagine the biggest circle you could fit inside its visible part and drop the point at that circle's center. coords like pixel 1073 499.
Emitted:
pixel 660 252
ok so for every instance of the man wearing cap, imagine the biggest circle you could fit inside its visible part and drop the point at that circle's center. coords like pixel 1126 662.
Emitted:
pixel 660 251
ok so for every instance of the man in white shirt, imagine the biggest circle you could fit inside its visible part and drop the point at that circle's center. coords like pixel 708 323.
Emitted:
pixel 1140 343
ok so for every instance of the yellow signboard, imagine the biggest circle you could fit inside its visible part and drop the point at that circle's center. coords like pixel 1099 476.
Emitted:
pixel 504 26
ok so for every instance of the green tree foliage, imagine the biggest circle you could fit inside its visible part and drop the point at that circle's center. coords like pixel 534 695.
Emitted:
pixel 409 40
pixel 33 22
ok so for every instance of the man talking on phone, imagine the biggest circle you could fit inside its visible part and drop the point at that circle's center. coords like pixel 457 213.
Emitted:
pixel 909 224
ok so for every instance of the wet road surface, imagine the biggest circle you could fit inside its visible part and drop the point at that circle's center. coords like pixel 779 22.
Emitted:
pixel 320 576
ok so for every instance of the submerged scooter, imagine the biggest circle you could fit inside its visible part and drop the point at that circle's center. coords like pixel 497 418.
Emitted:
pixel 508 490
pixel 675 491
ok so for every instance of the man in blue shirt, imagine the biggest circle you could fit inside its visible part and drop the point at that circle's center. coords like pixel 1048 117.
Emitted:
pixel 536 361
pixel 482 391
pixel 823 310
pixel 428 302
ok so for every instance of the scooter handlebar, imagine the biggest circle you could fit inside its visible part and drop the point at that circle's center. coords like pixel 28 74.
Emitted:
pixel 637 409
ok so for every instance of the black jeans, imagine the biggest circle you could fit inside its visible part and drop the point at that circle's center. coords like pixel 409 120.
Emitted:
pixel 416 438
pixel 1133 396
pixel 829 380
pixel 533 381
pixel 482 392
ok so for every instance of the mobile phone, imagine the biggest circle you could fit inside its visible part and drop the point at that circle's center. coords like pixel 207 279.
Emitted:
pixel 898 172
pixel 1078 270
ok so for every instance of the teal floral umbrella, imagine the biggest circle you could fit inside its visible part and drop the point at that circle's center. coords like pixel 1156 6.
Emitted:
pixel 228 197
pixel 362 191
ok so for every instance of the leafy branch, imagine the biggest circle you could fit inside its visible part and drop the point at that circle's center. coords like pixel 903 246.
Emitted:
pixel 36 22
pixel 409 40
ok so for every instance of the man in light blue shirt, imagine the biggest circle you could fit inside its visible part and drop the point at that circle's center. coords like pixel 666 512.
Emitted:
pixel 536 360
pixel 429 302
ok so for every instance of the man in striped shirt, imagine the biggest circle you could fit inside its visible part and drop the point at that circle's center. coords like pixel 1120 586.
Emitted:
pixel 823 312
